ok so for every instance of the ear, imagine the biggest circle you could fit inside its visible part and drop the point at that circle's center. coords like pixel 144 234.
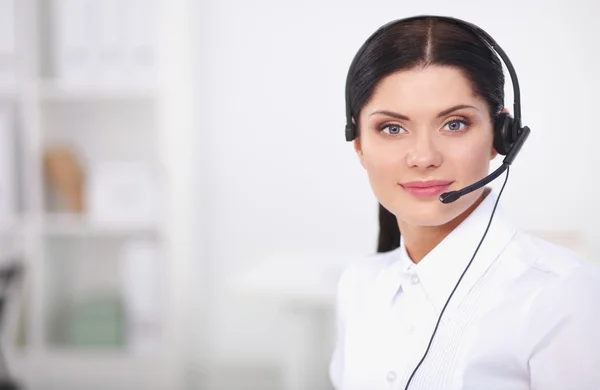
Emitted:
pixel 358 150
pixel 358 147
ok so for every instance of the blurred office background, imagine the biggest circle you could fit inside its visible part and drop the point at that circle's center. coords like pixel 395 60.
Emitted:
pixel 177 194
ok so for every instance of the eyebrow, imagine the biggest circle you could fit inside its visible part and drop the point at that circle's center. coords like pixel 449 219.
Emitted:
pixel 406 118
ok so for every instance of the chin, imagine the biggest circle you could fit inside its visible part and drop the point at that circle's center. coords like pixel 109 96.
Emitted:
pixel 428 216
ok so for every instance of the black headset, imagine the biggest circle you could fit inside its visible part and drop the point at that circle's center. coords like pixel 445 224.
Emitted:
pixel 509 135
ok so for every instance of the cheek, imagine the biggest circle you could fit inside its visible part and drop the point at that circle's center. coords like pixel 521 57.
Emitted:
pixel 385 166
pixel 469 161
pixel 381 160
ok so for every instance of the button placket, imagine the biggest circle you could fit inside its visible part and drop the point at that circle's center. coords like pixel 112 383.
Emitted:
pixel 420 313
pixel 408 328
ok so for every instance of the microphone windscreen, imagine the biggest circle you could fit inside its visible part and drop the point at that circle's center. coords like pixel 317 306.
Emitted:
pixel 449 197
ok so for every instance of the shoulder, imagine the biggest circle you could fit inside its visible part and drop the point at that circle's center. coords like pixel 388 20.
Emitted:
pixel 547 257
pixel 570 284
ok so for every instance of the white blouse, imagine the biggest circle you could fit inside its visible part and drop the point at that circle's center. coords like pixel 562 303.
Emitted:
pixel 525 316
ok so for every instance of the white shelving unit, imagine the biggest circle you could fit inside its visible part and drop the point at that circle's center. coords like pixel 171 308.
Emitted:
pixel 70 260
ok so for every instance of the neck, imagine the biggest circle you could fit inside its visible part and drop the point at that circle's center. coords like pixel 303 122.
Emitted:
pixel 420 240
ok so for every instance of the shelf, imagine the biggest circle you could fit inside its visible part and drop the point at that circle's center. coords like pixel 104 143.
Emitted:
pixel 55 91
pixel 73 261
pixel 61 225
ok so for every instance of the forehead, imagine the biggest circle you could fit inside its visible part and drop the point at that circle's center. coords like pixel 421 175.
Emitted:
pixel 424 91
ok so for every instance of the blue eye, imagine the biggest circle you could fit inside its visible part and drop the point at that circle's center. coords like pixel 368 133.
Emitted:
pixel 454 125
pixel 391 129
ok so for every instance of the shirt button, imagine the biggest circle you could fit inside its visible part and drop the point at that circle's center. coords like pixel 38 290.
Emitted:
pixel 391 376
pixel 410 329
pixel 414 279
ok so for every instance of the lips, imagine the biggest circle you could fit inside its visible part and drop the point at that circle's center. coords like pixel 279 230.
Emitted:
pixel 426 189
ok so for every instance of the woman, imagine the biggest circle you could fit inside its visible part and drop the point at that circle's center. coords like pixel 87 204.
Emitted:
pixel 424 95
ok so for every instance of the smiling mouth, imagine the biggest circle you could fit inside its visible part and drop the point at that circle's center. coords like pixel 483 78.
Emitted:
pixel 426 189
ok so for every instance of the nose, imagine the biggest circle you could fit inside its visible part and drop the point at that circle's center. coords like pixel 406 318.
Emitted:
pixel 423 153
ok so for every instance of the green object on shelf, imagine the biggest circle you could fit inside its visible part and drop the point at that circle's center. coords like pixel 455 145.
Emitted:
pixel 97 322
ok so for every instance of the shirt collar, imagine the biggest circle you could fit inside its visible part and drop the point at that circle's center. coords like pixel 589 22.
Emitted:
pixel 441 268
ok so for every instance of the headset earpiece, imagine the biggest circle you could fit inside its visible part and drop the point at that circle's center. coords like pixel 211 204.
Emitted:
pixel 504 130
pixel 350 132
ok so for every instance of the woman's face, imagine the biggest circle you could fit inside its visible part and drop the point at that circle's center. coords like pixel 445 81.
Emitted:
pixel 425 125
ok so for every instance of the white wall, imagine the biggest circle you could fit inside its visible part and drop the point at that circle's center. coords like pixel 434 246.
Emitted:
pixel 276 175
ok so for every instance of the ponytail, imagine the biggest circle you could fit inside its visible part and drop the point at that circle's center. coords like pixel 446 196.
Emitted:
pixel 389 232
